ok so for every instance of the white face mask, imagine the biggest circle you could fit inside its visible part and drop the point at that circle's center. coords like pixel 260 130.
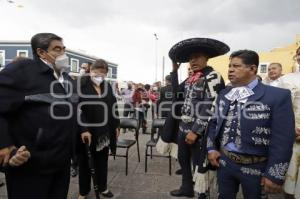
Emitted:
pixel 82 71
pixel 97 80
pixel 62 62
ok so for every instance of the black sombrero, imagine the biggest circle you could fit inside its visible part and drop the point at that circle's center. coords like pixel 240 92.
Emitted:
pixel 181 51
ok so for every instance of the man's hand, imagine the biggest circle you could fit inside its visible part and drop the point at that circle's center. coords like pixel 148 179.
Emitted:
pixel 5 155
pixel 175 65
pixel 191 137
pixel 298 134
pixel 269 186
pixel 20 157
pixel 213 157
pixel 86 136
pixel 117 133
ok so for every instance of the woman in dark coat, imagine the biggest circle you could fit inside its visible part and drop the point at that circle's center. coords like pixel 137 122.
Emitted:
pixel 99 115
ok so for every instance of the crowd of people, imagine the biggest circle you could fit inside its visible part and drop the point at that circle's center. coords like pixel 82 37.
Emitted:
pixel 245 134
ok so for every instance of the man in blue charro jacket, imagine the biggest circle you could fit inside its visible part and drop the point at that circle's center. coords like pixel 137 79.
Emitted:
pixel 252 134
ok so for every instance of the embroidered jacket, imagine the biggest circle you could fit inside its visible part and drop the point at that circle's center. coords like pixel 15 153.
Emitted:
pixel 198 99
pixel 267 127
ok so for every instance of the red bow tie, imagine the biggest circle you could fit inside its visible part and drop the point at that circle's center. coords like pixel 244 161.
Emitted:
pixel 191 80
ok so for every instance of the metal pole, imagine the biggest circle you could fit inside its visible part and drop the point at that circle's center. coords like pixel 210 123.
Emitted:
pixel 156 39
pixel 163 70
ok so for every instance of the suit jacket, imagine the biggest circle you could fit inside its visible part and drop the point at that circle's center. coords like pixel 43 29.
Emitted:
pixel 35 111
pixel 212 84
pixel 267 127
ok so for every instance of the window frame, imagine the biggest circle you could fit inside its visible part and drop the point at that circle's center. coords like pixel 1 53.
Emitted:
pixel 3 61
pixel 22 51
pixel 77 67
pixel 260 68
pixel 109 72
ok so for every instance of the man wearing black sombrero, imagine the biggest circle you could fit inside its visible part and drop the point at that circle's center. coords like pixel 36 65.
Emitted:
pixel 200 90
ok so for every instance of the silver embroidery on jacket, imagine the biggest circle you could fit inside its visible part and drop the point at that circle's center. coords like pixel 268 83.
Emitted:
pixel 250 171
pixel 258 107
pixel 261 130
pixel 261 141
pixel 259 116
pixel 222 162
pixel 278 171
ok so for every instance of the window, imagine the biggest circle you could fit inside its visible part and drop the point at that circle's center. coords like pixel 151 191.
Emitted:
pixel 74 65
pixel 2 58
pixel 263 68
pixel 109 73
pixel 22 53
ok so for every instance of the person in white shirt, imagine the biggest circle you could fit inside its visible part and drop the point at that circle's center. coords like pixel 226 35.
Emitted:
pixel 127 96
pixel 292 183
pixel 274 73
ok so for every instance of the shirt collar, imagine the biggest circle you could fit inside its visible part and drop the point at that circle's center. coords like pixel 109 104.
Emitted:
pixel 47 63
pixel 252 84
pixel 60 78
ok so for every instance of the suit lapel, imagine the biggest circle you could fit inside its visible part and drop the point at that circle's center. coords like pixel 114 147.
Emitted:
pixel 259 91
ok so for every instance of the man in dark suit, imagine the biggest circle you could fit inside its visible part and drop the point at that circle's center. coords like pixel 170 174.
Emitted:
pixel 252 134
pixel 38 116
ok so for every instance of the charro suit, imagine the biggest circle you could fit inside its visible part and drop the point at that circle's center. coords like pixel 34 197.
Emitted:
pixel 267 130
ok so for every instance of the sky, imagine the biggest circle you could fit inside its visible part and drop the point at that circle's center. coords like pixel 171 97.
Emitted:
pixel 122 31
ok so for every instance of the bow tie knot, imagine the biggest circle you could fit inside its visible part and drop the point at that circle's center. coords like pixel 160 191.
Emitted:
pixel 239 93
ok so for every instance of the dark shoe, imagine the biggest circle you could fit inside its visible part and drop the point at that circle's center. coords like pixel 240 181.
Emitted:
pixel 107 194
pixel 202 196
pixel 178 172
pixel 180 193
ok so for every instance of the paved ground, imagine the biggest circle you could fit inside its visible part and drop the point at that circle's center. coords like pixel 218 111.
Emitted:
pixel 137 185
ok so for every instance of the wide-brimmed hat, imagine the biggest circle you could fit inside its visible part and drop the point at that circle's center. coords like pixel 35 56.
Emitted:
pixel 181 51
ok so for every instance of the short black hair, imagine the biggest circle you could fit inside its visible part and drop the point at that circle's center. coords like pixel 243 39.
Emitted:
pixel 42 40
pixel 99 63
pixel 249 57
pixel 168 78
pixel 147 86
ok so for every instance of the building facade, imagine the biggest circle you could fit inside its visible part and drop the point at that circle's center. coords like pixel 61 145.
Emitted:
pixel 9 50
pixel 284 55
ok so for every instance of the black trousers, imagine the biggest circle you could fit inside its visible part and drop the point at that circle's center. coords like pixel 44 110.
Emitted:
pixel 22 185
pixel 100 164
pixel 186 153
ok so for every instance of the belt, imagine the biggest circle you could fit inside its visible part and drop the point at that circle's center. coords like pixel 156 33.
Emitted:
pixel 243 159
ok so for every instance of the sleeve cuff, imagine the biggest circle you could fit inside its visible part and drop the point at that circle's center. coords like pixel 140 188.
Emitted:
pixel 211 149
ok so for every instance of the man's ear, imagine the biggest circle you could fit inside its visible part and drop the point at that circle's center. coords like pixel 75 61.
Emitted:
pixel 41 53
pixel 254 68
